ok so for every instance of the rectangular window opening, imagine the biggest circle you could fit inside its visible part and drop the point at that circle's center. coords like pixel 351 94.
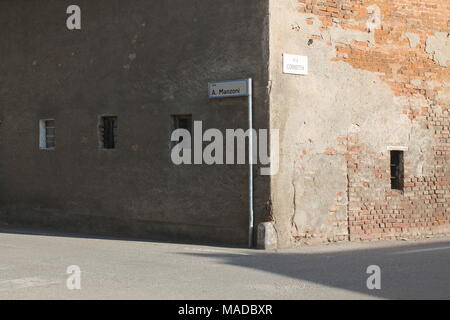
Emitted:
pixel 182 122
pixel 397 170
pixel 108 132
pixel 47 134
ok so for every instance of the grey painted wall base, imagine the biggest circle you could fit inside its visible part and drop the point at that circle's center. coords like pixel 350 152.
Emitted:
pixel 267 236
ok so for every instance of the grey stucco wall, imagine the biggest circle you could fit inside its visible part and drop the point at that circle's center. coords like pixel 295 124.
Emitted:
pixel 142 61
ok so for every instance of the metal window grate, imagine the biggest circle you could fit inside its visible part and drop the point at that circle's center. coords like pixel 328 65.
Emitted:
pixel 108 131
pixel 47 134
pixel 182 122
pixel 50 134
pixel 397 170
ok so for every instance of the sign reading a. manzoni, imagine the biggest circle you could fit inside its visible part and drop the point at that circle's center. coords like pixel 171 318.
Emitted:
pixel 228 89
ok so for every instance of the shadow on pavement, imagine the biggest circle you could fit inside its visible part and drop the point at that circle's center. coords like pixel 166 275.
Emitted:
pixel 407 272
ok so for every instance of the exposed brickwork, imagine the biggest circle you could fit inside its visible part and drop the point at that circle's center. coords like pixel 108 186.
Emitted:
pixel 401 55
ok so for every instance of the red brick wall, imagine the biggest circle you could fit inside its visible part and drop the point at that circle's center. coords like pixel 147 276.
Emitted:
pixel 415 74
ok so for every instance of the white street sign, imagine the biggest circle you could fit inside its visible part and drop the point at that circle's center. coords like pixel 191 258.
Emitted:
pixel 228 89
pixel 294 64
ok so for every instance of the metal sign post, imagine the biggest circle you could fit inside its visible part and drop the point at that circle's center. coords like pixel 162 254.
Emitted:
pixel 250 167
pixel 240 88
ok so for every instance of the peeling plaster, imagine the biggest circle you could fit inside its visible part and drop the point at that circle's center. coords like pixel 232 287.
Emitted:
pixel 414 39
pixel 438 47
pixel 374 21
pixel 443 95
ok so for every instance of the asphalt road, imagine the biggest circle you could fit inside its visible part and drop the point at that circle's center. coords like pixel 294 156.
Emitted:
pixel 35 266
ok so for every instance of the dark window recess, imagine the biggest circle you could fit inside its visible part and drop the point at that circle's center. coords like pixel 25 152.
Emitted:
pixel 108 131
pixel 182 122
pixel 397 170
pixel 50 134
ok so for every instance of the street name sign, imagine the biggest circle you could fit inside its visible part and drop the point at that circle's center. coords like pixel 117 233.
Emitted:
pixel 228 89
pixel 294 64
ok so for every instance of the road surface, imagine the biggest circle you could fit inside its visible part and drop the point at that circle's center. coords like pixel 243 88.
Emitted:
pixel 35 267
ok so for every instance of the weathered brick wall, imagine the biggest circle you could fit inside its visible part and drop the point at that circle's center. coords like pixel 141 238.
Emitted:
pixel 411 53
pixel 378 79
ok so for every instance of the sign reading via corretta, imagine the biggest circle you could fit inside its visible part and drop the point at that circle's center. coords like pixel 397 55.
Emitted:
pixel 294 64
